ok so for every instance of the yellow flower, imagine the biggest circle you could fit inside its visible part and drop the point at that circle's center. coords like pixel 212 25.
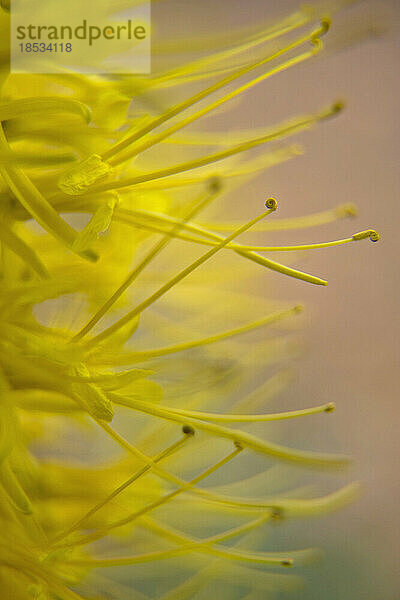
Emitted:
pixel 117 400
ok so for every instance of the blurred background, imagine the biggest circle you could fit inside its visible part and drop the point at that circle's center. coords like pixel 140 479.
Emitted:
pixel 350 335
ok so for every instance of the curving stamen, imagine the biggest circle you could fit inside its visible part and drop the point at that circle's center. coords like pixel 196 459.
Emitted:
pixel 253 557
pixel 292 507
pixel 177 536
pixel 22 249
pixel 136 149
pixel 13 489
pixel 266 558
pixel 141 355
pixel 187 431
pixel 253 256
pixel 284 130
pixel 229 418
pixel 362 235
pixel 161 501
pixel 204 93
pixel 342 211
pixel 293 22
pixel 200 204
pixel 247 440
pixel 204 493
pixel 25 107
pixel 80 177
pixel 176 279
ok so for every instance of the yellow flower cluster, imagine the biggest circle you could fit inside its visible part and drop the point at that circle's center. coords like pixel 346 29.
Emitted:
pixel 117 401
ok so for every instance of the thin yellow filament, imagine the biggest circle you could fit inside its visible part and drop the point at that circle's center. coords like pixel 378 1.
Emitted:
pixel 246 439
pixel 164 499
pixel 203 94
pixel 138 148
pixel 164 454
pixel 199 205
pixel 139 356
pixel 181 275
pixel 289 129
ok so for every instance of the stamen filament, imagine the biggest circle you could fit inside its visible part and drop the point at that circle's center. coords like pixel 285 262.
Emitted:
pixel 313 220
pixel 24 107
pixel 163 500
pixel 372 234
pixel 181 275
pixel 199 205
pixel 208 230
pixel 204 93
pixel 253 557
pixel 229 418
pixel 289 129
pixel 138 148
pixel 165 453
pixel 293 23
pixel 139 356
pixel 208 495
pixel 261 260
pixel 21 249
pixel 246 439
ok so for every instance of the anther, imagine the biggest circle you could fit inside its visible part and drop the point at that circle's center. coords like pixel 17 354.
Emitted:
pixel 238 445
pixel 347 210
pixel 324 28
pixel 338 106
pixel 271 203
pixel 276 513
pixel 334 109
pixel 287 563
pixel 188 430
pixel 298 308
pixel 215 184
pixel 330 407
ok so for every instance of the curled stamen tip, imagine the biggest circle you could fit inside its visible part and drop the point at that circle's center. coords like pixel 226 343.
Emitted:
pixel 317 45
pixel 374 237
pixel 323 29
pixel 215 184
pixel 298 308
pixel 325 25
pixel 330 407
pixel 188 430
pixel 271 203
pixel 368 233
pixel 238 445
